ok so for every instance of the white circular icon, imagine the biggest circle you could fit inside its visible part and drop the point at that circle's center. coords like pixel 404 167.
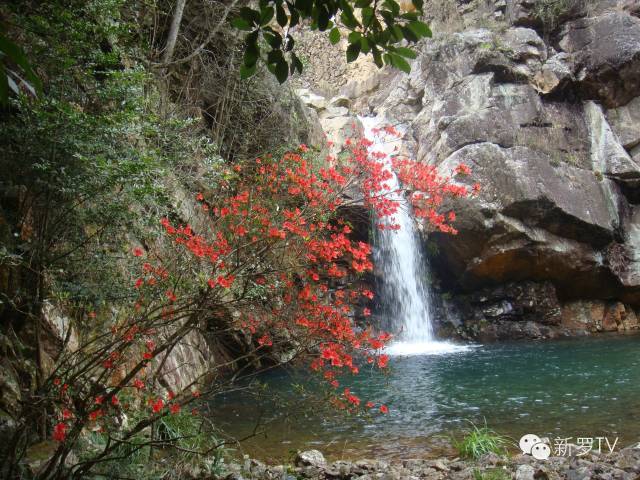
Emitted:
pixel 528 441
pixel 541 451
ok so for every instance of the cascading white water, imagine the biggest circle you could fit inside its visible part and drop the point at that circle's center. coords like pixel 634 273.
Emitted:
pixel 404 290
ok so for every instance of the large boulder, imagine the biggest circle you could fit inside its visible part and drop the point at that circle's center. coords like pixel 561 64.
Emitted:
pixel 607 50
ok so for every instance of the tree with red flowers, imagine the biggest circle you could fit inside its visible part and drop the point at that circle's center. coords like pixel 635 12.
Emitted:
pixel 269 246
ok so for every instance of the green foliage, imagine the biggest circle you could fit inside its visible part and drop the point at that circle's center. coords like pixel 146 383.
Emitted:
pixel 479 441
pixel 148 455
pixel 375 28
pixel 92 165
pixel 550 12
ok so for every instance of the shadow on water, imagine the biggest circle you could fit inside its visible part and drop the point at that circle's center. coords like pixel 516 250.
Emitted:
pixel 570 388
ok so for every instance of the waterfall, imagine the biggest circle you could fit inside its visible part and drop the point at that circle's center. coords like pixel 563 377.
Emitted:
pixel 405 291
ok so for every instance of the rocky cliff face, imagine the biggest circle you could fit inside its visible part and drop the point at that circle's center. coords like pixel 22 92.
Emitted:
pixel 544 105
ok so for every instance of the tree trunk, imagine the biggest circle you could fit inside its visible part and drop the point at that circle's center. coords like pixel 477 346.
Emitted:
pixel 173 31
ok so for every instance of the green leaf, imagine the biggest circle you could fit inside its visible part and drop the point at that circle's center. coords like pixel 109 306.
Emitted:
pixel 246 72
pixel 367 16
pixel 421 29
pixel 399 62
pixel 405 52
pixel 413 16
pixel 304 6
pixel 364 45
pixel 408 34
pixel 241 24
pixel 334 35
pixel 388 17
pixel 353 50
pixel 362 3
pixel 250 15
pixel 296 63
pixel 281 16
pixel 377 57
pixel 282 71
pixel 397 33
pixel 251 54
pixel 266 14
pixel 349 20
pixel 295 18
pixel 354 37
pixel 273 39
pixel 323 18
pixel 392 6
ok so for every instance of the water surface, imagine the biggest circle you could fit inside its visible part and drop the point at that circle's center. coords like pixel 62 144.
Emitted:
pixel 583 387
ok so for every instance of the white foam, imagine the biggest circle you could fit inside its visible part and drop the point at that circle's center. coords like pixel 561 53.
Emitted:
pixel 399 349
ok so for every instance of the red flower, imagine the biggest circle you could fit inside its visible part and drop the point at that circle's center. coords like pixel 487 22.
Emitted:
pixel 60 432
pixel 463 169
pixel 225 282
pixel 383 360
pixel 139 384
pixel 94 415
pixel 157 405
pixel 114 401
pixel 174 408
pixel 384 409
pixel 138 252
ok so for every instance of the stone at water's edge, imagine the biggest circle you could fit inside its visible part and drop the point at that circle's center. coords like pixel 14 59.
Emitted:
pixel 310 458
pixel 622 464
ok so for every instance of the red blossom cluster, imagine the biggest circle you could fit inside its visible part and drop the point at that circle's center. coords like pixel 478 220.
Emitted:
pixel 280 228
pixel 270 229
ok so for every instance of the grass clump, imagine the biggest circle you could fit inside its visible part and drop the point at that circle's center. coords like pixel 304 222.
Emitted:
pixel 479 441
pixel 491 474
